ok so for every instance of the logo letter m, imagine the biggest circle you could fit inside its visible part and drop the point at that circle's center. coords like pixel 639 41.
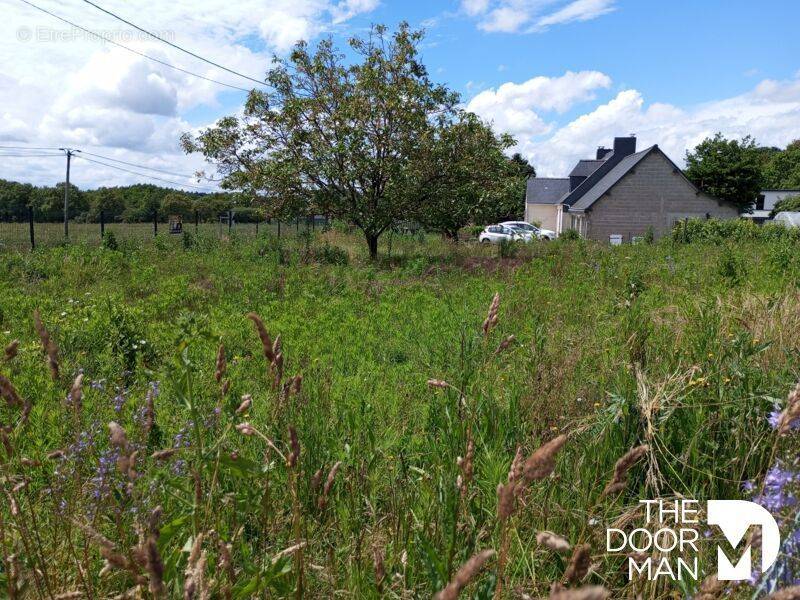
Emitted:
pixel 734 518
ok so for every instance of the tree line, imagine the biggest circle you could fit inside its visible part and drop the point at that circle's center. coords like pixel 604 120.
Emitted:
pixel 130 204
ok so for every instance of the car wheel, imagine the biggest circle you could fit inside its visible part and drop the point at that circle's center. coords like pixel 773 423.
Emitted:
pixel 485 241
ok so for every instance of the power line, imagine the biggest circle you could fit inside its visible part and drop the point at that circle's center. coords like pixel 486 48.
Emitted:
pixel 27 155
pixel 91 160
pixel 28 148
pixel 142 54
pixel 160 39
pixel 130 164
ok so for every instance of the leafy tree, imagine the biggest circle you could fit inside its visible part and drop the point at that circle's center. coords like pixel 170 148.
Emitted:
pixel 783 169
pixel 14 200
pixel 525 168
pixel 346 140
pixel 467 175
pixel 727 169
pixel 176 203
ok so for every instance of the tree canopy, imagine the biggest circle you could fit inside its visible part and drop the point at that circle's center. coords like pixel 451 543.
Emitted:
pixel 374 141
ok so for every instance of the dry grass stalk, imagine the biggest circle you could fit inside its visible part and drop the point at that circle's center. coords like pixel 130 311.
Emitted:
pixel 149 410
pixel 288 551
pixel 221 365
pixel 491 318
pixel 468 571
pixel 505 344
pixel 505 500
pixel 322 501
pixel 380 571
pixel 195 570
pixel 791 413
pixel 277 369
pixel 266 341
pixel 9 393
pixel 790 593
pixel 541 463
pixel 589 592
pixel 316 480
pixel 69 596
pixel 467 466
pixel 76 393
pixel 710 589
pixel 621 468
pixel 579 564
pixel 554 542
pixel 162 455
pixel 294 445
pixel 10 352
pixel 247 402
pixel 48 345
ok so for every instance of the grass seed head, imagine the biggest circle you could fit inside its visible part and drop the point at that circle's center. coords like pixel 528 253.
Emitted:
pixel 589 592
pixel 438 383
pixel 322 502
pixel 244 406
pixel 468 571
pixel 491 318
pixel 221 365
pixel 579 564
pixel 790 593
pixel 76 393
pixel 294 445
pixel 11 350
pixel 554 542
pixel 9 393
pixel 266 341
pixel 505 500
pixel 117 435
pixel 505 344
pixel 541 463
pixel 791 413
pixel 49 347
pixel 621 468
pixel 711 588
pixel 246 429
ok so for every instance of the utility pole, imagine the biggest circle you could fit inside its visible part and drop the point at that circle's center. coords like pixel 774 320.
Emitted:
pixel 69 152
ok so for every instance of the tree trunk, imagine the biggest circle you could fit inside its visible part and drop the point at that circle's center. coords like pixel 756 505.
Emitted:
pixel 372 242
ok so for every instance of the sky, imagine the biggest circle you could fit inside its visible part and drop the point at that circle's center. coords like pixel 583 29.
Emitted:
pixel 561 76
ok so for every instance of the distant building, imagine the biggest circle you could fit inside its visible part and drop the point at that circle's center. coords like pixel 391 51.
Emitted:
pixel 767 200
pixel 620 195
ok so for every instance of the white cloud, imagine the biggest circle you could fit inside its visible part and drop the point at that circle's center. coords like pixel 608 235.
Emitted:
pixel 527 16
pixel 770 112
pixel 513 107
pixel 59 86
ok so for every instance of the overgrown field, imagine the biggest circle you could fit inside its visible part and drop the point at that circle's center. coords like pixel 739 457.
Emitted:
pixel 355 447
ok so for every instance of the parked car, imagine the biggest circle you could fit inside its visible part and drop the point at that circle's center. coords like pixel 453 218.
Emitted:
pixel 494 234
pixel 530 231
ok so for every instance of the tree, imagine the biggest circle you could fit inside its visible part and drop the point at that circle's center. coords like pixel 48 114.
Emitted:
pixel 468 173
pixel 346 140
pixel 727 169
pixel 788 204
pixel 525 168
pixel 176 203
pixel 783 169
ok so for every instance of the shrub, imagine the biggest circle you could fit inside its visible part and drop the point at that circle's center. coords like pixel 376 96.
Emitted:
pixel 110 241
pixel 716 231
pixel 570 235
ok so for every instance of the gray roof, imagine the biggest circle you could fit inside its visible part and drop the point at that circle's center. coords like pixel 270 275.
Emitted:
pixel 609 180
pixel 584 168
pixel 545 190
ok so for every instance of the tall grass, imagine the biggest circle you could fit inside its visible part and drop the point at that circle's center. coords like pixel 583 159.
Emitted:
pixel 255 420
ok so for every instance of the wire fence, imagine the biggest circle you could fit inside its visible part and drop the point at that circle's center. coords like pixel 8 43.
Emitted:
pixel 32 233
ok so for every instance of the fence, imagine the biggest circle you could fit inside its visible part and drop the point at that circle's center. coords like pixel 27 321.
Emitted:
pixel 33 233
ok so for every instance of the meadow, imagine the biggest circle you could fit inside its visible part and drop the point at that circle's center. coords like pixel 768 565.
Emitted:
pixel 237 418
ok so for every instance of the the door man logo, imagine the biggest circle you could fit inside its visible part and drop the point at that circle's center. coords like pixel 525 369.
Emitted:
pixel 734 518
pixel 672 530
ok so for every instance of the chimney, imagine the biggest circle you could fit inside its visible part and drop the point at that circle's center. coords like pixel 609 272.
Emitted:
pixel 624 146
pixel 602 152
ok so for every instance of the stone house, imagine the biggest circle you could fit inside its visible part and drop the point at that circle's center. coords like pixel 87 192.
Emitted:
pixel 620 195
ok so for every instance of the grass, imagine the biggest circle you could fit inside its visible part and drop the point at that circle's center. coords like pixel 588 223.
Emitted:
pixel 684 349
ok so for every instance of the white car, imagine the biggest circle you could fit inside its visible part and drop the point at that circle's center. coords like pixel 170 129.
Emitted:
pixel 530 231
pixel 494 234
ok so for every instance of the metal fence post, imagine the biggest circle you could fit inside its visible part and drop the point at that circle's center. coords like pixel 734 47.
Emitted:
pixel 30 227
pixel 102 225
pixel 256 225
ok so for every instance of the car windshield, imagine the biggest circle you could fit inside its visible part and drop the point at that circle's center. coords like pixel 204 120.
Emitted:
pixel 522 226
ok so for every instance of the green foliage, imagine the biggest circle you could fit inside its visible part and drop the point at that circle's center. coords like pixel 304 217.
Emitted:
pixel 569 235
pixel 727 169
pixel 716 231
pixel 782 171
pixel 788 204
pixel 110 241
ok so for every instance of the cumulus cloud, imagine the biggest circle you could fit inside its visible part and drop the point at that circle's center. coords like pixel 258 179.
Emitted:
pixel 527 16
pixel 59 86
pixel 770 112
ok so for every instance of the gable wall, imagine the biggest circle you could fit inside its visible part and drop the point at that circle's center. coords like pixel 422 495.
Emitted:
pixel 652 194
pixel 544 214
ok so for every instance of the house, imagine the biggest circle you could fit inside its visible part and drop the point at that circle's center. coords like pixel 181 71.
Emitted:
pixel 621 194
pixel 767 200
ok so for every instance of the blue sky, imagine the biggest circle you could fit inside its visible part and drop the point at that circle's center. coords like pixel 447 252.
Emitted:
pixel 562 76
